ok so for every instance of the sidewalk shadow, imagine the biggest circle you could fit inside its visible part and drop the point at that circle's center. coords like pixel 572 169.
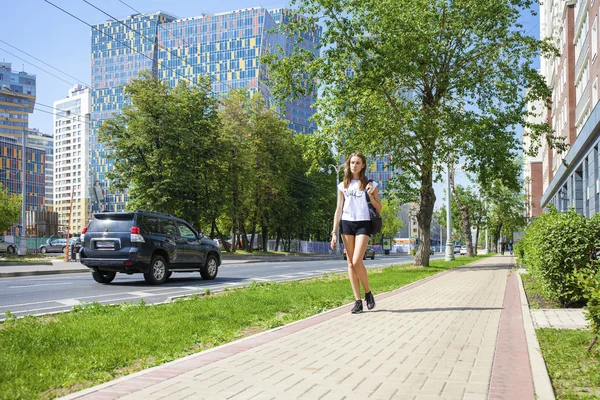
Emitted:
pixel 419 310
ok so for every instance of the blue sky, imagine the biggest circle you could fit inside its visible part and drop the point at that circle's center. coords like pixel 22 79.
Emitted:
pixel 50 35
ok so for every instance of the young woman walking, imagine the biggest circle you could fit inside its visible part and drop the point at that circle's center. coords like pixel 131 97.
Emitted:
pixel 352 217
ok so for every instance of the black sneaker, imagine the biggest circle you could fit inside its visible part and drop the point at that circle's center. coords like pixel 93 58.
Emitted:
pixel 357 307
pixel 370 300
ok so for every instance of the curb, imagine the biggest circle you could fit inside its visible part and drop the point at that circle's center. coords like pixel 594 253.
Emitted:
pixel 33 273
pixel 20 264
pixel 541 380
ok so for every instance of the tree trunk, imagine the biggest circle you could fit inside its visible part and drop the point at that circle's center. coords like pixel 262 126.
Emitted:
pixel 424 215
pixel 265 238
pixel 233 235
pixel 476 236
pixel 244 237
pixel 223 239
pixel 277 239
pixel 464 216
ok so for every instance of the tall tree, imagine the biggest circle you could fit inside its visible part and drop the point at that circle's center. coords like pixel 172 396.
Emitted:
pixel 392 223
pixel 163 144
pixel 416 79
pixel 10 209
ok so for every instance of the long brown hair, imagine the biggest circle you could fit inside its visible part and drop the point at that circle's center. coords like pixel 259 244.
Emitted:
pixel 362 175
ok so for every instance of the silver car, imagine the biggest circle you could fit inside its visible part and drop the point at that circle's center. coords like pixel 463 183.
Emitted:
pixel 54 246
pixel 9 248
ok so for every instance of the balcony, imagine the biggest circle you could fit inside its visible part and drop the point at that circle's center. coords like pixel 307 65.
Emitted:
pixel 582 58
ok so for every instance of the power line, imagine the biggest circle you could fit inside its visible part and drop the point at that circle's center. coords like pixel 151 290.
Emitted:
pixel 130 7
pixel 35 58
pixel 111 36
pixel 33 65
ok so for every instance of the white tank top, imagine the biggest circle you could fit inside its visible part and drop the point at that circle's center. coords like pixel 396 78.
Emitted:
pixel 355 202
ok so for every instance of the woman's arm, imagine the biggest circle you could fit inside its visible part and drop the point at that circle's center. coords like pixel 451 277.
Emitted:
pixel 338 212
pixel 336 219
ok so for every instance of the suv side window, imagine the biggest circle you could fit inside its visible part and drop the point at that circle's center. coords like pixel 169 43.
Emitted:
pixel 186 232
pixel 168 227
pixel 150 224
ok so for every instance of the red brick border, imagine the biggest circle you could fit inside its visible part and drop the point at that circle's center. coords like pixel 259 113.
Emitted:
pixel 511 371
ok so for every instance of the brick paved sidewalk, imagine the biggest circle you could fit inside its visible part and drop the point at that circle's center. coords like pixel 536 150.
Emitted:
pixel 452 336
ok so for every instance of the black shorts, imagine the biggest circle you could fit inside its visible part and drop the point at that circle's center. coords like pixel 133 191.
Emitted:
pixel 355 228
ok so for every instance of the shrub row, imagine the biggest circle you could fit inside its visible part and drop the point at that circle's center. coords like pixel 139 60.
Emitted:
pixel 559 249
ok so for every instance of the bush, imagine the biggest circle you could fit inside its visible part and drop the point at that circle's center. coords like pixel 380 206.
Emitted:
pixel 591 291
pixel 556 247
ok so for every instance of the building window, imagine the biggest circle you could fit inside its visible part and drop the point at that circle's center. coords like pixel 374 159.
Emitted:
pixel 594 39
pixel 595 92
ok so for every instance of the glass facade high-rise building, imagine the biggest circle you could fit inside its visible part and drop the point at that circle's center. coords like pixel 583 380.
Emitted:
pixel 225 46
pixel 17 99
pixel 45 142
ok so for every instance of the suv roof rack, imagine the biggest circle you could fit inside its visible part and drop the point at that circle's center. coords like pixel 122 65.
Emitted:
pixel 155 212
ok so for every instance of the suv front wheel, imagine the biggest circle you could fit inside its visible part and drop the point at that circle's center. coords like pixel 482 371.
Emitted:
pixel 158 272
pixel 103 277
pixel 209 270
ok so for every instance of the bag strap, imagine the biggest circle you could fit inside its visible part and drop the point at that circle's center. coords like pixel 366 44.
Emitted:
pixel 368 197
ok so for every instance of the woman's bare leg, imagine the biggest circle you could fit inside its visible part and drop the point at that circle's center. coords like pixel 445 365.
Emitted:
pixel 349 245
pixel 360 246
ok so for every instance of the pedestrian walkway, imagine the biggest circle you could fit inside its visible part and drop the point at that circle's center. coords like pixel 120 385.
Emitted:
pixel 563 318
pixel 457 335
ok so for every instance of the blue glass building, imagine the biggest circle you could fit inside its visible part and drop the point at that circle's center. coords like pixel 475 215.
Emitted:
pixel 225 46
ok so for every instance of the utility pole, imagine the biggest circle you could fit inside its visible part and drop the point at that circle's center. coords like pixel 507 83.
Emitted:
pixel 449 246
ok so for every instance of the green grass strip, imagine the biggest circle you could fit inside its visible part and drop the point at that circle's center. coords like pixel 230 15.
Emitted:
pixel 574 371
pixel 46 357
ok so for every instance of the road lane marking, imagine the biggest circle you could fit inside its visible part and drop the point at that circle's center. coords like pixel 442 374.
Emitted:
pixel 69 302
pixel 39 284
pixel 142 294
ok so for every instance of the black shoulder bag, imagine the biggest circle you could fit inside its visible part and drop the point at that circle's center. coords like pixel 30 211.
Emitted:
pixel 376 221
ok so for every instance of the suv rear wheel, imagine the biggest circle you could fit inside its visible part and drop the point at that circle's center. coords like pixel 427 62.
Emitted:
pixel 210 269
pixel 103 277
pixel 158 271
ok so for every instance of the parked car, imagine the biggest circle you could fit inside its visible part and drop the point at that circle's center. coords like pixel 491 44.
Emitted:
pixel 463 250
pixel 9 248
pixel 53 246
pixel 456 249
pixel 369 253
pixel 151 243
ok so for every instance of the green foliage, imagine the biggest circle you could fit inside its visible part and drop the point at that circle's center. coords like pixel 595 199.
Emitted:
pixel 431 81
pixel 392 223
pixel 558 246
pixel 591 291
pixel 10 209
pixel 165 147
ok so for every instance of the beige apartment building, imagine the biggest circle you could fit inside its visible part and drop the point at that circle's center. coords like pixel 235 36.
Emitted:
pixel 570 179
pixel 71 159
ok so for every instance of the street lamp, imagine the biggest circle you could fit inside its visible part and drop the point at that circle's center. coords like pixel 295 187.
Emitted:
pixel 23 230
pixel 337 169
pixel 449 247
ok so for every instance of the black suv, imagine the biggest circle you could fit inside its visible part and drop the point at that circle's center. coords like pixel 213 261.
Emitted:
pixel 155 244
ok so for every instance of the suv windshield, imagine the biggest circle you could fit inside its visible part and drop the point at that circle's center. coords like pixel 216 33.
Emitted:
pixel 111 223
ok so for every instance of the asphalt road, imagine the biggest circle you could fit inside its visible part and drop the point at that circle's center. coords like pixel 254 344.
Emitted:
pixel 38 295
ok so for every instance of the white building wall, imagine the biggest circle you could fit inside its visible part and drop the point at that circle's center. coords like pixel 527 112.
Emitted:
pixel 71 157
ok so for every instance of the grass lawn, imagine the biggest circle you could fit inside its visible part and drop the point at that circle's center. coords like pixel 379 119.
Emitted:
pixel 46 357
pixel 574 371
